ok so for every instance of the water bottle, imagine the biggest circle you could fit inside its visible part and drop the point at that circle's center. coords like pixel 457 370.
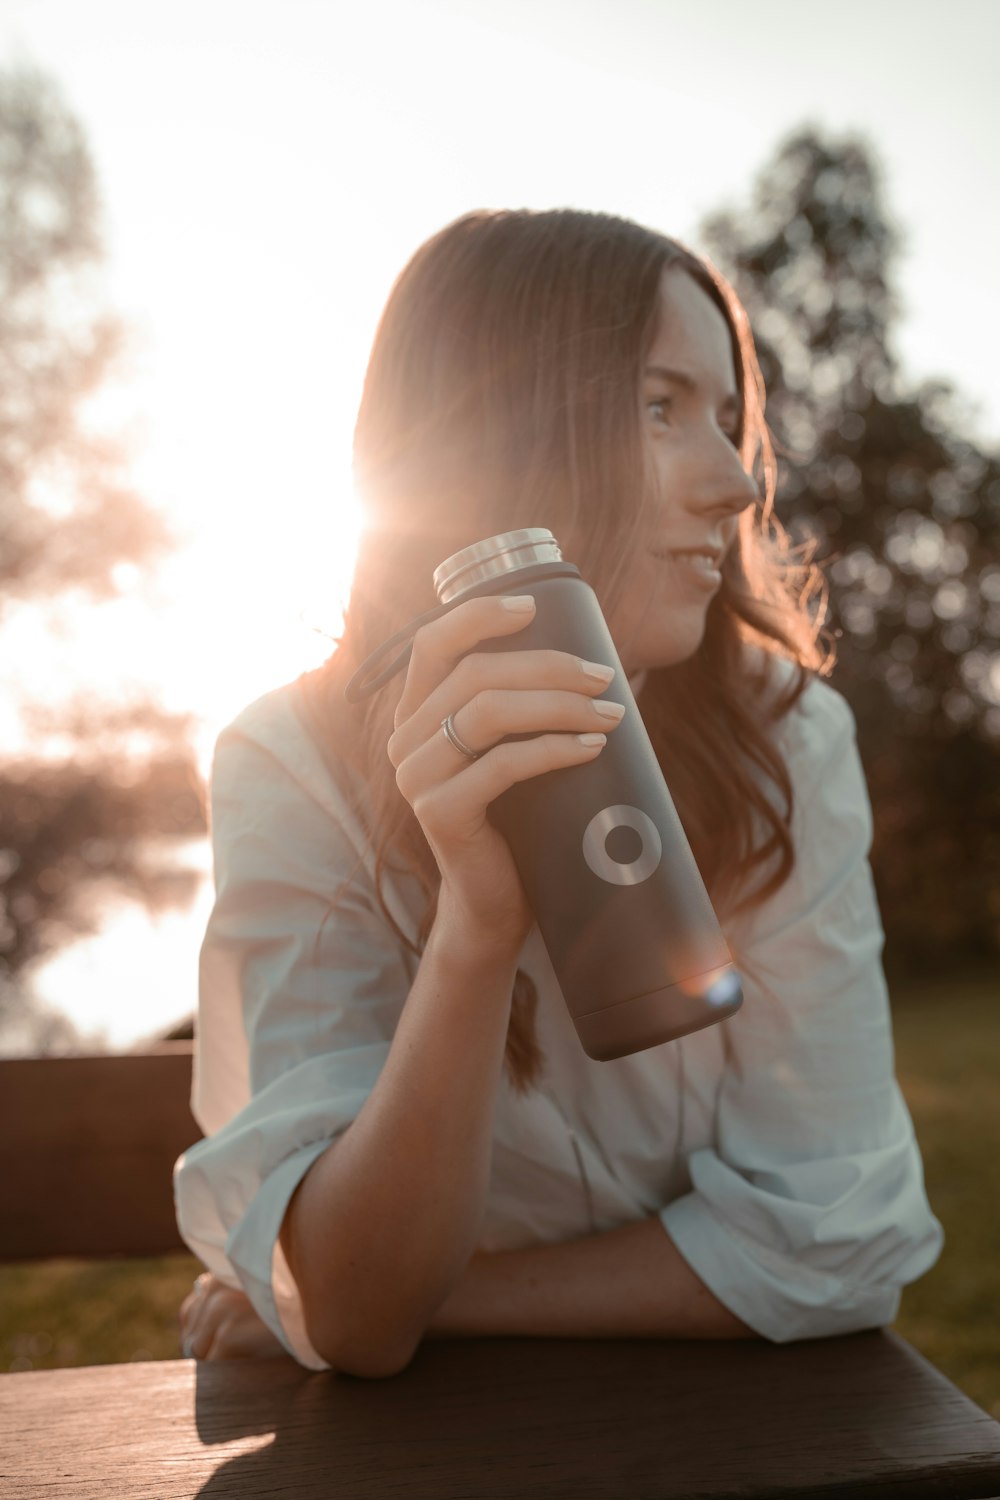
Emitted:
pixel 610 877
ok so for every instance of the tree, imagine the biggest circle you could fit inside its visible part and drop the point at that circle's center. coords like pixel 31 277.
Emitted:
pixel 70 522
pixel 69 517
pixel 905 509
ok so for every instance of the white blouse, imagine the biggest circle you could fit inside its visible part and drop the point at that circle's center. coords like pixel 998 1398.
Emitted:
pixel 775 1147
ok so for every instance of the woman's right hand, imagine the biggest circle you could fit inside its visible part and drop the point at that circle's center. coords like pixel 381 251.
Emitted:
pixel 547 694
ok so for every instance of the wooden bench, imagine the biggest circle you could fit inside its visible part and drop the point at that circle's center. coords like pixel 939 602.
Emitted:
pixel 87 1149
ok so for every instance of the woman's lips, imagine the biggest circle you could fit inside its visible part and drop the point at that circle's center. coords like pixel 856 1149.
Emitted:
pixel 696 570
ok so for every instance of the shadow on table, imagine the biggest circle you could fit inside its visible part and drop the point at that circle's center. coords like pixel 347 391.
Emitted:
pixel 432 1429
pixel 512 1417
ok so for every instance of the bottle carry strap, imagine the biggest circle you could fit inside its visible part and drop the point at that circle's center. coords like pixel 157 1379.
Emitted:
pixel 363 683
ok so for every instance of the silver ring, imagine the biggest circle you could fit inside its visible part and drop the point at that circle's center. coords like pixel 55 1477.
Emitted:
pixel 454 738
pixel 199 1284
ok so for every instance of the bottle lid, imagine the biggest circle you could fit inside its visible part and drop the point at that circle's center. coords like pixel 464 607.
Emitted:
pixel 492 558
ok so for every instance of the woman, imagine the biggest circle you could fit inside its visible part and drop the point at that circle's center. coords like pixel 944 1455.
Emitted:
pixel 404 1138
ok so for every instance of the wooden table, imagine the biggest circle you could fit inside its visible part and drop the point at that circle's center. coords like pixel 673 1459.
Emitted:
pixel 474 1419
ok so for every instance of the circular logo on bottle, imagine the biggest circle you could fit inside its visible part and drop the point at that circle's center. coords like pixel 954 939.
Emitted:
pixel 618 872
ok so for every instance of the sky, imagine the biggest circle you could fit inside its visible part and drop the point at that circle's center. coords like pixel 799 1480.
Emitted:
pixel 268 167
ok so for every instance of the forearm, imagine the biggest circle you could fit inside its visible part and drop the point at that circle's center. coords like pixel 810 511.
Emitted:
pixel 386 1219
pixel 630 1282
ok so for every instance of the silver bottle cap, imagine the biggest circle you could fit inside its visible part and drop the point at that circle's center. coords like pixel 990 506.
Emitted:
pixel 492 558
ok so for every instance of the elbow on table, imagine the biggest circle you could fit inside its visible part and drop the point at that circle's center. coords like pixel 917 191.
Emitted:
pixel 348 1350
pixel 366 1360
pixel 379 1369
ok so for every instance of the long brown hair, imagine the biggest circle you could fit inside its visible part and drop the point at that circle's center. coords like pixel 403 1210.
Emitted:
pixel 503 391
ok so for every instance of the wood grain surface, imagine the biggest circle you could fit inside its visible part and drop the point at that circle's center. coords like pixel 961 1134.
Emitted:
pixel 475 1419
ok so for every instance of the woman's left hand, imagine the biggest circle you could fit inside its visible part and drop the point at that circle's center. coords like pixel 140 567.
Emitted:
pixel 218 1322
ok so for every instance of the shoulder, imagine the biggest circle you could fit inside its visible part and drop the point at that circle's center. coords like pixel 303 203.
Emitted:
pixel 268 759
pixel 272 721
pixel 831 815
pixel 829 818
pixel 810 726
pixel 814 733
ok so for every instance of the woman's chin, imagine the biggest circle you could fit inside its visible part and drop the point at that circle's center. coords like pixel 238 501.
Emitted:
pixel 668 653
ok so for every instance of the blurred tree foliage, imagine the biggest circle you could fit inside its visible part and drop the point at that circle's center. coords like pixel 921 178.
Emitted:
pixel 69 517
pixel 79 820
pixel 904 509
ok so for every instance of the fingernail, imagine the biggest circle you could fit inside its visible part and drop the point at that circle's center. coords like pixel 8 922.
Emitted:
pixel 596 671
pixel 521 603
pixel 609 710
pixel 592 739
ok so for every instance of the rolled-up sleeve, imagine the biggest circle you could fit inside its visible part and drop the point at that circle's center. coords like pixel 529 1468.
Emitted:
pixel 808 1213
pixel 299 996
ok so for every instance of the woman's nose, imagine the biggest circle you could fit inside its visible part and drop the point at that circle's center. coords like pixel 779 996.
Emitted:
pixel 725 488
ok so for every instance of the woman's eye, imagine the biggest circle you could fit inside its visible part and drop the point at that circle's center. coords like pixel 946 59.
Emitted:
pixel 661 406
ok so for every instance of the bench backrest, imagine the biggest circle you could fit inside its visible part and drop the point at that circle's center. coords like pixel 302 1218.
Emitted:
pixel 87 1149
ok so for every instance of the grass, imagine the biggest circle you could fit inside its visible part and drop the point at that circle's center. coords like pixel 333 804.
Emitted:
pixel 66 1312
pixel 75 1312
pixel 948 1062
